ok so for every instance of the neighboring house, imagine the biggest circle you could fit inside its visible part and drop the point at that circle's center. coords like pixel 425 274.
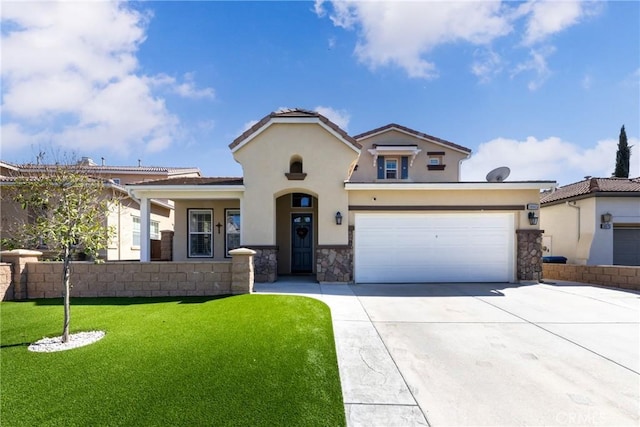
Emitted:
pixel 593 222
pixel 383 206
pixel 124 215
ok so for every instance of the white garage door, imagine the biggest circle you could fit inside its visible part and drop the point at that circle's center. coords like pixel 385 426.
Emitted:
pixel 427 247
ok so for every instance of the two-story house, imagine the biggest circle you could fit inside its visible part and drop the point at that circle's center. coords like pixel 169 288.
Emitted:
pixel 383 206
pixel 124 214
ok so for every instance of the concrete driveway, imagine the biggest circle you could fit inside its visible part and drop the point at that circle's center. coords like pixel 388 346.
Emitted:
pixel 484 354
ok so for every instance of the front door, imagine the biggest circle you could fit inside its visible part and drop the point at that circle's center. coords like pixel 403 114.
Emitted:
pixel 302 243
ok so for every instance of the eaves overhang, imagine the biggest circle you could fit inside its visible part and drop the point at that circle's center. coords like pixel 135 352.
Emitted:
pixel 450 186
pixel 597 194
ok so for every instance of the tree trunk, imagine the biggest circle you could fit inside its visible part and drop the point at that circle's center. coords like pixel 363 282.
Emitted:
pixel 66 271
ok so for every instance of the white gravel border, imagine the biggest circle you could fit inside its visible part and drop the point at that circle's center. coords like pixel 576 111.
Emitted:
pixel 80 339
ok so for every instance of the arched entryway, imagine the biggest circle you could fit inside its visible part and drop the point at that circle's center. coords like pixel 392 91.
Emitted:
pixel 296 232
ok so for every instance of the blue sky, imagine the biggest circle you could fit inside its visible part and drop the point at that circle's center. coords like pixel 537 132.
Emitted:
pixel 541 87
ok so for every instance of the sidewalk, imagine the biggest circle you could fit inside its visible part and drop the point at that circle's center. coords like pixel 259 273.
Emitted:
pixel 374 391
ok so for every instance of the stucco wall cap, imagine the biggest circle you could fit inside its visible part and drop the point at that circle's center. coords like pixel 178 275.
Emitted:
pixel 242 251
pixel 21 252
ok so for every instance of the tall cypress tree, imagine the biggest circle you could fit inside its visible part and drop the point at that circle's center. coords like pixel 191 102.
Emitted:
pixel 622 156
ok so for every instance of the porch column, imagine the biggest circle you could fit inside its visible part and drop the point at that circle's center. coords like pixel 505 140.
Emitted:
pixel 145 221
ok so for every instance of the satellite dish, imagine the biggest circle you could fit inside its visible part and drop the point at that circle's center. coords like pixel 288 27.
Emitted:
pixel 498 174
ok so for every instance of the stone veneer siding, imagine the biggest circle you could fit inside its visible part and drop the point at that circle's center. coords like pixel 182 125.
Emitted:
pixel 265 263
pixel 6 290
pixel 334 264
pixel 626 277
pixel 131 279
pixel 529 262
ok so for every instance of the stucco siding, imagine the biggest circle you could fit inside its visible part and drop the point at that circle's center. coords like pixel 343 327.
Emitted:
pixel 418 172
pixel 575 231
pixel 442 199
pixel 180 245
pixel 121 246
pixel 326 161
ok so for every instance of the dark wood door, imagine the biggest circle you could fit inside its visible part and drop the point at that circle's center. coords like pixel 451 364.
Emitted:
pixel 301 243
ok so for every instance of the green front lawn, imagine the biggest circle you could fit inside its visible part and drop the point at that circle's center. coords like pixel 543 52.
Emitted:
pixel 245 361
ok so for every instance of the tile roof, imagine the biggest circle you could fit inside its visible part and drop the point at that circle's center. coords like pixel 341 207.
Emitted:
pixel 293 112
pixel 591 186
pixel 194 181
pixel 125 169
pixel 412 132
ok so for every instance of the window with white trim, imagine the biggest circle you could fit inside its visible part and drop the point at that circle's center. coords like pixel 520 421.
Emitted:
pixel 200 233
pixel 232 230
pixel 391 168
pixel 154 231
pixel 135 240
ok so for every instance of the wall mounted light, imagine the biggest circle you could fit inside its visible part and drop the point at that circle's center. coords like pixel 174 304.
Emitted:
pixel 533 219
pixel 338 218
pixel 606 219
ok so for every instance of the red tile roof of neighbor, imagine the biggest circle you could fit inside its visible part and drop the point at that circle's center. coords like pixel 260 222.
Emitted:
pixel 412 132
pixel 124 169
pixel 194 181
pixel 592 186
pixel 293 112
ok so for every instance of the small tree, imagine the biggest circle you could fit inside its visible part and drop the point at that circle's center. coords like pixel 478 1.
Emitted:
pixel 622 156
pixel 66 210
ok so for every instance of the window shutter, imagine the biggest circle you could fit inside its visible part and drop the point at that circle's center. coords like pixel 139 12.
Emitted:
pixel 380 167
pixel 404 173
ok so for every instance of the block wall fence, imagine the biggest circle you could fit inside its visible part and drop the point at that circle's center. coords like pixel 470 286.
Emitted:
pixel 605 275
pixel 20 279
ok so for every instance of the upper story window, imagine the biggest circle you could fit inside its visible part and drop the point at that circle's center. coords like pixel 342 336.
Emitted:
pixel 391 168
pixel 116 180
pixel 435 160
pixel 393 161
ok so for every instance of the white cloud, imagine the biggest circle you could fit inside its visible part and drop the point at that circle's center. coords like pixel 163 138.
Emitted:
pixel 487 64
pixel 537 63
pixel 404 33
pixel 547 159
pixel 186 89
pixel 587 82
pixel 70 72
pixel 546 18
pixel 339 117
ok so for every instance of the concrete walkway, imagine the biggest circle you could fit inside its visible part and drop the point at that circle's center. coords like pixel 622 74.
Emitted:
pixel 483 354
pixel 374 391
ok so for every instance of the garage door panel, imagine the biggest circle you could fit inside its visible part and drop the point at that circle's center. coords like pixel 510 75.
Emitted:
pixel 626 246
pixel 400 248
